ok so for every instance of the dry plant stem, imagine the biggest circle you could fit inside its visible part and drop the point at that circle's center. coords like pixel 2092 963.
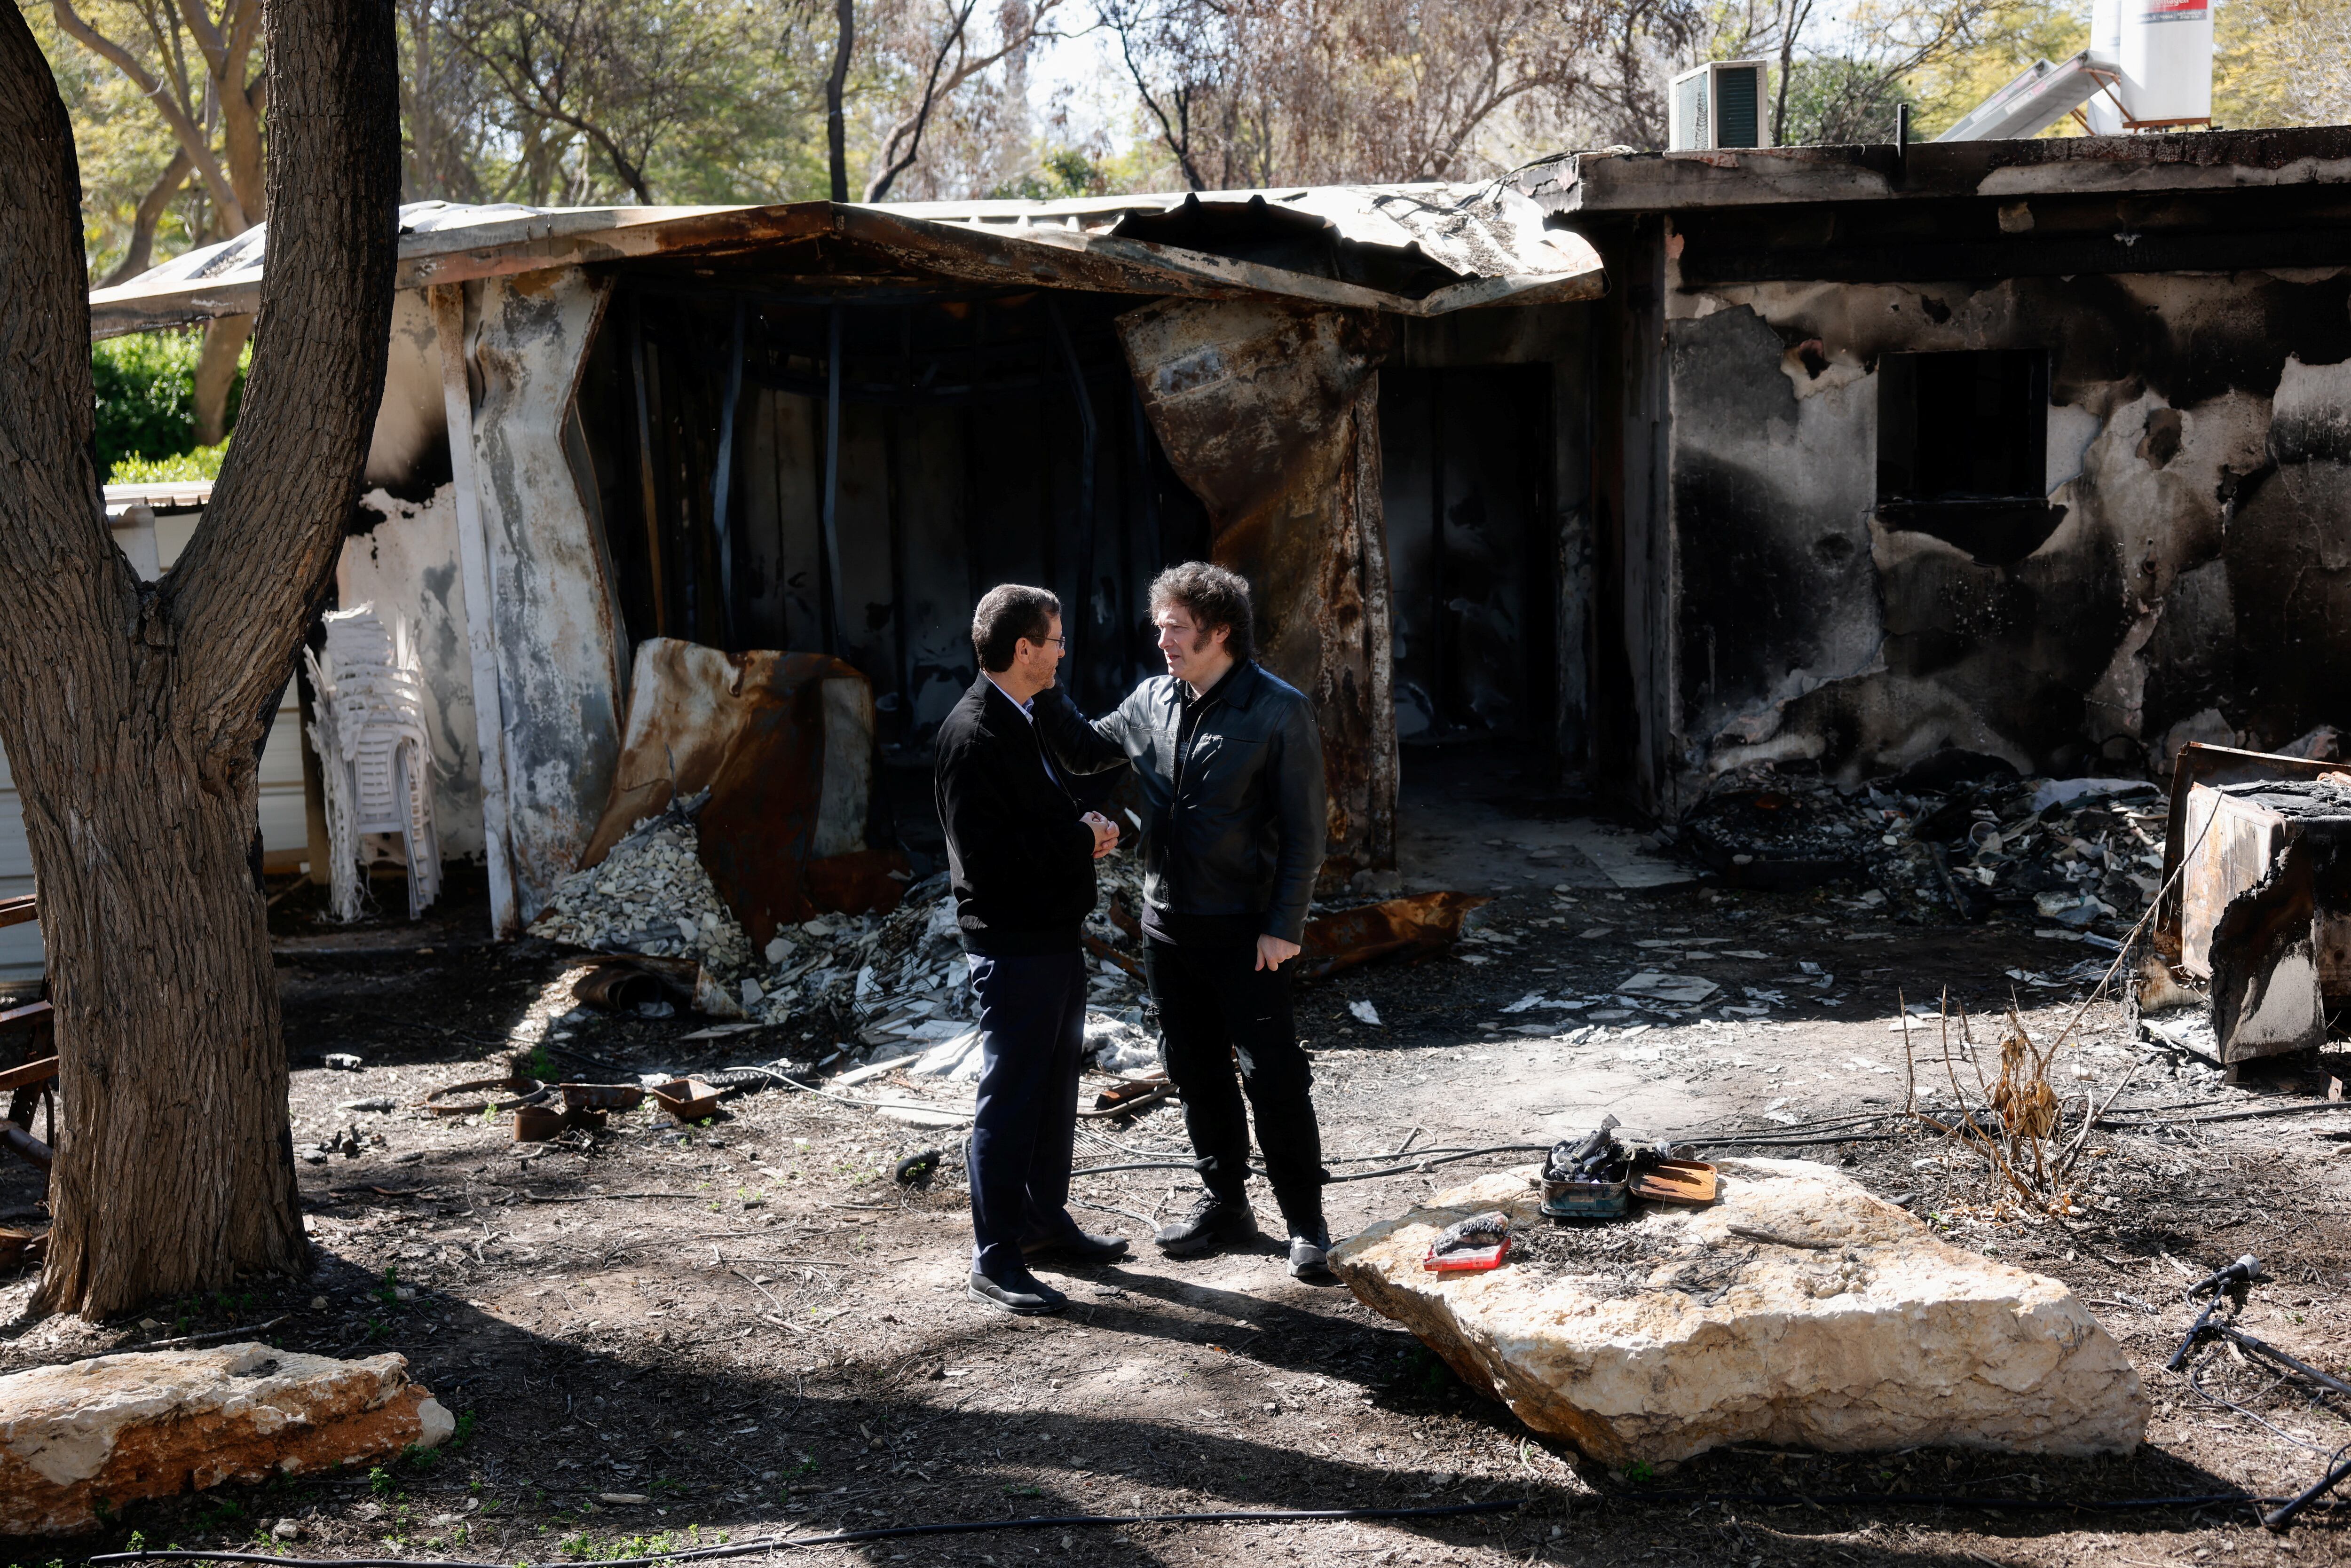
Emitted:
pixel 2082 1139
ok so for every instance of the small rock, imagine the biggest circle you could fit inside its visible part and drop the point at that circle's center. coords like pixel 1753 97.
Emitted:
pixel 410 1158
pixel 318 1303
pixel 341 1061
pixel 404 1292
pixel 1362 1011
pixel 286 1529
pixel 622 1499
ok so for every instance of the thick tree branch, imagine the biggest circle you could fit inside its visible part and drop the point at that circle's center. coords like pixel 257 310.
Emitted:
pixel 183 129
pixel 957 20
pixel 242 596
pixel 140 254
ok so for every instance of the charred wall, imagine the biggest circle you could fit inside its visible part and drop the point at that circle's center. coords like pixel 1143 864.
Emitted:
pixel 2185 573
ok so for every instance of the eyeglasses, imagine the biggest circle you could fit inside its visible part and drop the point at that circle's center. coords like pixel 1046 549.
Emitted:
pixel 1063 642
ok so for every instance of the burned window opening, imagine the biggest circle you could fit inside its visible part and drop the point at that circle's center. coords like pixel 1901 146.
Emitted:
pixel 1963 450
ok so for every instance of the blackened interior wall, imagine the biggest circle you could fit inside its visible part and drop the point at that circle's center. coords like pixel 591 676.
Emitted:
pixel 2196 583
pixel 961 464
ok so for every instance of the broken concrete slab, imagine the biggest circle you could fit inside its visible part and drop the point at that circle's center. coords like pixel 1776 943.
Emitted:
pixel 1797 1310
pixel 154 1424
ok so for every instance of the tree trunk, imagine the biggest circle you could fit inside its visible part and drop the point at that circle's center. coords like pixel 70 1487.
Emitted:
pixel 836 92
pixel 133 714
pixel 224 340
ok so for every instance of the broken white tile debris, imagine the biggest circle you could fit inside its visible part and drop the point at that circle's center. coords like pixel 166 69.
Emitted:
pixel 1362 1011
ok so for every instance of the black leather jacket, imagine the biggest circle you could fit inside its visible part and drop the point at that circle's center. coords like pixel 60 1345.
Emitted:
pixel 1236 823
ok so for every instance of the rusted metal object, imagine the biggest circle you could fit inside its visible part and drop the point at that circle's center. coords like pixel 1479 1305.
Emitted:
pixel 1422 923
pixel 2264 895
pixel 633 979
pixel 784 744
pixel 29 1074
pixel 1269 411
pixel 602 1096
pixel 686 1099
pixel 19 911
pixel 538 1123
pixel 508 1095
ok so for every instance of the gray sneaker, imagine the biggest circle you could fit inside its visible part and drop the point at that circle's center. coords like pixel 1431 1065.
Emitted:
pixel 1310 1253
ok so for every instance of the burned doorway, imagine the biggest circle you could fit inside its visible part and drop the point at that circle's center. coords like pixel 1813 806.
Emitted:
pixel 1467 455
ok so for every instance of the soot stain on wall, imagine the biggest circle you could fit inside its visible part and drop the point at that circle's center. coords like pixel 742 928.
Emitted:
pixel 2198 584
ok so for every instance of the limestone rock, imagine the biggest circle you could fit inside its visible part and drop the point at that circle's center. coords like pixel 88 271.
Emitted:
pixel 153 1424
pixel 1797 1310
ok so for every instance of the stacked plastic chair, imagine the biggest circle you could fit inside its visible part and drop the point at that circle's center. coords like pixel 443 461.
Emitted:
pixel 368 730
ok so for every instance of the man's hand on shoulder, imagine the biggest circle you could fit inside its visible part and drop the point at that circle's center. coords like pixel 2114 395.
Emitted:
pixel 1272 952
pixel 1105 835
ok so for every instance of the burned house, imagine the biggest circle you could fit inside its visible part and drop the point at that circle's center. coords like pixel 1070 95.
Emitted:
pixel 830 428
pixel 1653 466
pixel 2033 448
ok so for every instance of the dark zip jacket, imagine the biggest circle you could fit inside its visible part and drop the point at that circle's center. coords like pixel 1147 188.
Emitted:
pixel 1019 857
pixel 1237 818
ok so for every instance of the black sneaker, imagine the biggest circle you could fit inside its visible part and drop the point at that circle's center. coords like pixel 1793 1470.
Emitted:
pixel 1213 1222
pixel 1309 1252
pixel 1022 1294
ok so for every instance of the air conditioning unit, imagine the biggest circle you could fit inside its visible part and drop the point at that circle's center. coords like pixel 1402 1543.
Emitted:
pixel 1720 104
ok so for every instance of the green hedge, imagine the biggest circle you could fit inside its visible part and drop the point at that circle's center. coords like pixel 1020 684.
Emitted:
pixel 146 384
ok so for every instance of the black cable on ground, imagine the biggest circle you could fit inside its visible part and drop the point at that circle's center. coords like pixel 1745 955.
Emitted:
pixel 1953 1499
pixel 843 1537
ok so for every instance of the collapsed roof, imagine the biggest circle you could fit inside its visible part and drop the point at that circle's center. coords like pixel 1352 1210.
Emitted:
pixel 1413 250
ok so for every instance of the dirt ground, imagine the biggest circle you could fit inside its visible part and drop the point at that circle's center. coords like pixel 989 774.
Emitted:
pixel 752 1328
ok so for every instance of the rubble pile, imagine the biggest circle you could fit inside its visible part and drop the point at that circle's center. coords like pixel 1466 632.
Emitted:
pixel 1955 837
pixel 894 985
pixel 650 896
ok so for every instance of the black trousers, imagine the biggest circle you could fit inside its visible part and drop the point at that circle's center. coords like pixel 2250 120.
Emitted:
pixel 1032 1026
pixel 1215 1008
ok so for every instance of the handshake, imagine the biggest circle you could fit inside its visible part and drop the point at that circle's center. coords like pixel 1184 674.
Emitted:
pixel 1105 832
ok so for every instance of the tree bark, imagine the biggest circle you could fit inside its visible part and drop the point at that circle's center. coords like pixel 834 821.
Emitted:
pixel 134 714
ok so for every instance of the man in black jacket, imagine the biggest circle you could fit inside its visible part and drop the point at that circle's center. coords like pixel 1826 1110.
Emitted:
pixel 1020 856
pixel 1231 761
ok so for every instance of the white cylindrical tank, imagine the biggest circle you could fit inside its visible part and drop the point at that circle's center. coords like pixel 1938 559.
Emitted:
pixel 2167 60
pixel 2104 112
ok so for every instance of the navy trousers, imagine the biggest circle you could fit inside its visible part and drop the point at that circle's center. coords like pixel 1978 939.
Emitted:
pixel 1032 1027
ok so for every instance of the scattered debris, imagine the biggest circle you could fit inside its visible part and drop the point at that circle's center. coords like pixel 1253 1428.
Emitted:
pixel 341 1061
pixel 95 1434
pixel 1956 836
pixel 1362 1010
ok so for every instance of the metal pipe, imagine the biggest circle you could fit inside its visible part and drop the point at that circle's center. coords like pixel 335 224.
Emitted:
pixel 722 481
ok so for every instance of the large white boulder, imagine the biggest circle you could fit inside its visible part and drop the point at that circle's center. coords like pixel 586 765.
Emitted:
pixel 152 1424
pixel 1796 1311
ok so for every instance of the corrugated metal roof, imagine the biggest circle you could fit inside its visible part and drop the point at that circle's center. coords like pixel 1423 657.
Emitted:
pixel 1422 249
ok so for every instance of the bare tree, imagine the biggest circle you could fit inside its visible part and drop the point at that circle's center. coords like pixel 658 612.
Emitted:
pixel 133 713
pixel 953 63
pixel 197 67
pixel 1252 92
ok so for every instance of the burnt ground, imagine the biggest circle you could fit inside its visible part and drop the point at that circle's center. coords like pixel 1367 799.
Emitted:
pixel 750 1325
